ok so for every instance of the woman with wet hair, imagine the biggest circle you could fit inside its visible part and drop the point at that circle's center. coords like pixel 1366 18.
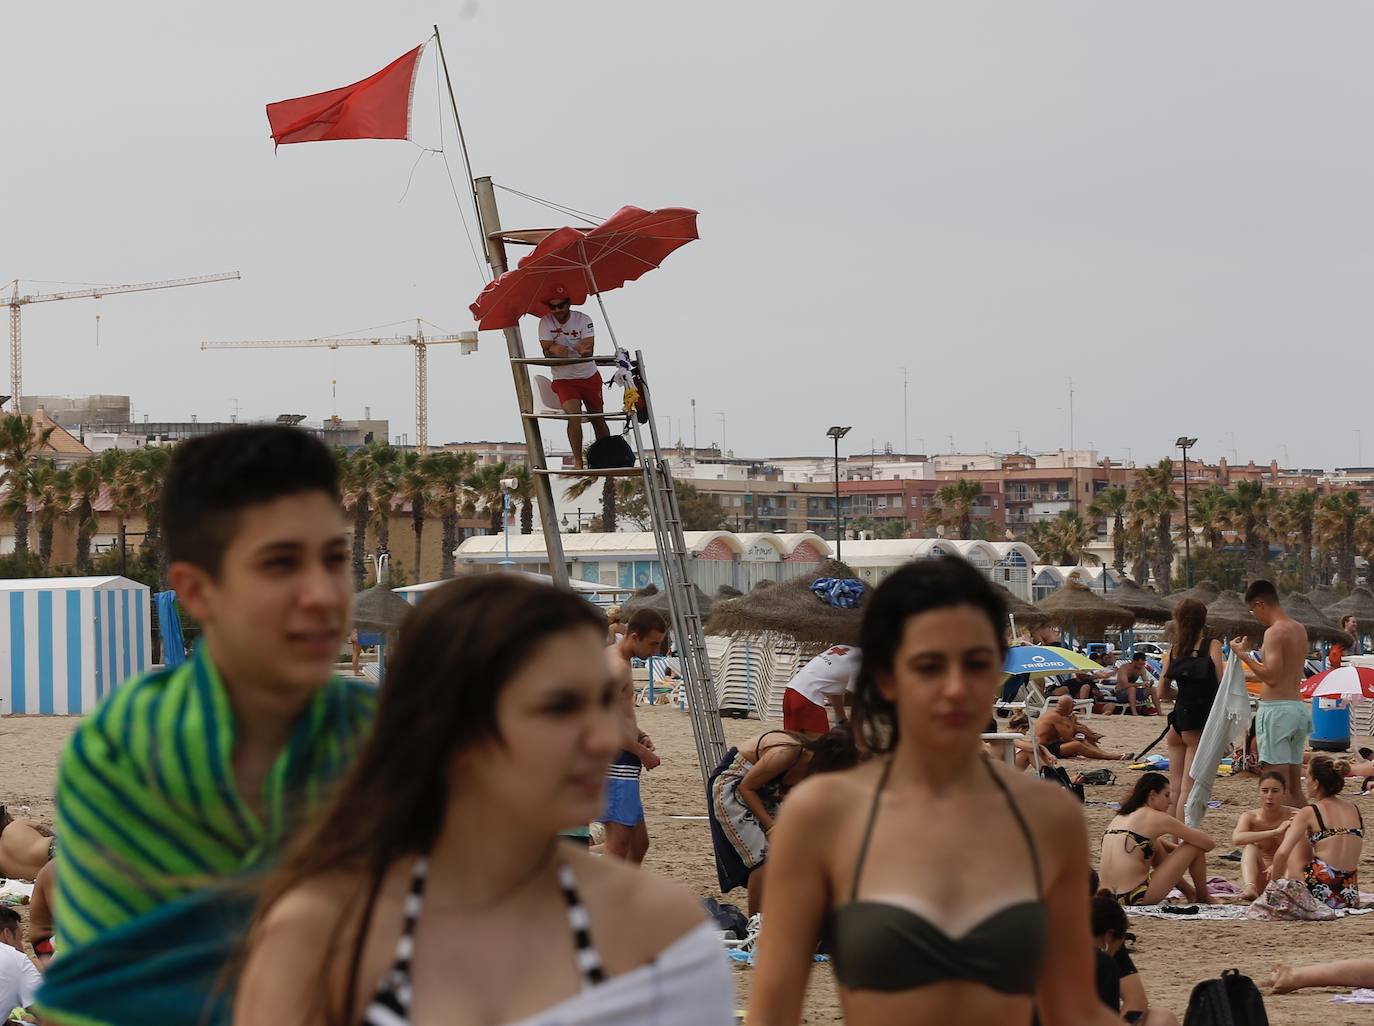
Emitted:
pixel 1322 845
pixel 935 876
pixel 435 888
pixel 1139 866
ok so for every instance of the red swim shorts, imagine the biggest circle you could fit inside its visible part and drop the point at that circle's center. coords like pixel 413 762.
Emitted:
pixel 587 390
pixel 802 714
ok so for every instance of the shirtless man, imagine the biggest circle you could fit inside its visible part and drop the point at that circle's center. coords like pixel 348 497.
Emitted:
pixel 1283 721
pixel 627 836
pixel 25 847
pixel 1260 831
pixel 1130 687
pixel 1058 730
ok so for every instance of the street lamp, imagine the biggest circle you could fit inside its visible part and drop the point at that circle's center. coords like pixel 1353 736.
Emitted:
pixel 837 433
pixel 1185 443
pixel 508 484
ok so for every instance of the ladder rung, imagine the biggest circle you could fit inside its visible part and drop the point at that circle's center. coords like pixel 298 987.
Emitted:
pixel 575 416
pixel 562 361
pixel 588 472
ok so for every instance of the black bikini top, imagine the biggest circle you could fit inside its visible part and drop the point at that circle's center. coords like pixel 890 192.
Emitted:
pixel 879 946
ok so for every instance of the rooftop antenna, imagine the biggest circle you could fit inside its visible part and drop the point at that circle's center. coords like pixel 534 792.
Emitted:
pixel 1234 457
pixel 906 438
pixel 1070 414
pixel 694 425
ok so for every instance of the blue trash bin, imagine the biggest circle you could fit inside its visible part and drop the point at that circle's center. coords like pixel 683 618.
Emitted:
pixel 1330 725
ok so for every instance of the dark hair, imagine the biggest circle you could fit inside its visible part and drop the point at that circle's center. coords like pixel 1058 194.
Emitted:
pixel 1274 774
pixel 456 652
pixel 645 621
pixel 919 587
pixel 1093 881
pixel 1108 917
pixel 1138 655
pixel 834 750
pixel 9 919
pixel 213 478
pixel 1262 591
pixel 1328 774
pixel 1148 784
pixel 1190 620
pixel 1347 618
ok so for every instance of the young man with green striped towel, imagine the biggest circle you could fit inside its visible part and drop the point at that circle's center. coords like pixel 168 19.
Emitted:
pixel 185 784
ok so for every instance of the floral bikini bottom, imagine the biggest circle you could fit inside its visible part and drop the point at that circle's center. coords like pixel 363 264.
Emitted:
pixel 1333 887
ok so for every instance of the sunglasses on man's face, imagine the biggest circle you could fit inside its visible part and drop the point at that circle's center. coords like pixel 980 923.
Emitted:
pixel 562 305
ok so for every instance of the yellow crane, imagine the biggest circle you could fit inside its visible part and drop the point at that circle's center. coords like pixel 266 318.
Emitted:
pixel 16 302
pixel 420 342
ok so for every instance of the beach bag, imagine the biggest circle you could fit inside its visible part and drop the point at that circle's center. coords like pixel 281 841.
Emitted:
pixel 1285 901
pixel 1056 775
pixel 1097 778
pixel 1233 1000
pixel 729 919
pixel 610 453
pixel 839 592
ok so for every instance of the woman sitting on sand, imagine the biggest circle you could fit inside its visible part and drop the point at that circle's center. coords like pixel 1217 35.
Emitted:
pixel 938 877
pixel 1019 723
pixel 1194 665
pixel 1118 980
pixel 434 888
pixel 1322 846
pixel 1261 831
pixel 1138 866
pixel 747 789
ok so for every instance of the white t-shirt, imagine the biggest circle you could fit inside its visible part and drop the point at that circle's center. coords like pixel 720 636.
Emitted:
pixel 577 328
pixel 833 672
pixel 19 980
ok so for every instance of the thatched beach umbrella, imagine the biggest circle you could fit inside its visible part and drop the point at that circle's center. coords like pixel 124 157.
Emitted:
pixel 1025 614
pixel 1323 596
pixel 1148 606
pixel 1359 604
pixel 791 609
pixel 649 597
pixel 725 591
pixel 1318 625
pixel 1228 614
pixel 1205 592
pixel 379 609
pixel 1085 611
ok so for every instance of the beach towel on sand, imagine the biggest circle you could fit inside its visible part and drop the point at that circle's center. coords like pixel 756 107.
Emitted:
pixel 157 844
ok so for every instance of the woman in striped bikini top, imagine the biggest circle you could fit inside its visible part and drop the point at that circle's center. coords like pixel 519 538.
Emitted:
pixel 435 888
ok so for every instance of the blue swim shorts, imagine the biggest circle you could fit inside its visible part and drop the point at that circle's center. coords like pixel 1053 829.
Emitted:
pixel 623 805
pixel 1282 728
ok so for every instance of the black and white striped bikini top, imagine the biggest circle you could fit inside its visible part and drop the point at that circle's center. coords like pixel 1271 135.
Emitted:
pixel 391 1004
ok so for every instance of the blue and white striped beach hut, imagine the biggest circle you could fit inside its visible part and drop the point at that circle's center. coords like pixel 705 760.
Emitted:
pixel 70 641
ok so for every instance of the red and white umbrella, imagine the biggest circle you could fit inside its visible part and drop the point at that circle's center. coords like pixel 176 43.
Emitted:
pixel 1342 682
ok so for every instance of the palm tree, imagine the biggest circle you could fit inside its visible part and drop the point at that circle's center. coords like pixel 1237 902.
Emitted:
pixel 48 487
pixel 120 478
pixel 413 485
pixel 1300 515
pixel 19 446
pixel 1339 514
pixel 357 476
pixel 1251 506
pixel 150 470
pixel 523 493
pixel 1063 540
pixel 387 461
pixel 1156 502
pixel 1113 502
pixel 953 506
pixel 1211 514
pixel 485 483
pixel 79 487
pixel 448 474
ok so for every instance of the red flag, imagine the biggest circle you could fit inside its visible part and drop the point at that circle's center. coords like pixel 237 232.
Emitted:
pixel 378 107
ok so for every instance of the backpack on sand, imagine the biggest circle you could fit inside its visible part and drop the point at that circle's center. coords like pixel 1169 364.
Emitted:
pixel 1057 775
pixel 1233 1000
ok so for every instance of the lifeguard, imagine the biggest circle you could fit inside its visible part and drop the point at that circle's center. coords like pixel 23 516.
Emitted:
pixel 565 333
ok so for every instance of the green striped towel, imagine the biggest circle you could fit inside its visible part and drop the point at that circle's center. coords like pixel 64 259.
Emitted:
pixel 148 814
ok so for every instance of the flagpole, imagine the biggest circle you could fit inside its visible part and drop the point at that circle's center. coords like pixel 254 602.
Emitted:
pixel 463 144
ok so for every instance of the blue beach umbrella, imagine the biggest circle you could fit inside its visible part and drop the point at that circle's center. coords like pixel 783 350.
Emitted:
pixel 1045 661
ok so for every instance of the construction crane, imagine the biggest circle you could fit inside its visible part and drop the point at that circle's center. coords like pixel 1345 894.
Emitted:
pixel 16 302
pixel 419 341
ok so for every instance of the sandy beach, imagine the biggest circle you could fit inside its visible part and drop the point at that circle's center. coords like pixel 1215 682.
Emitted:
pixel 1172 955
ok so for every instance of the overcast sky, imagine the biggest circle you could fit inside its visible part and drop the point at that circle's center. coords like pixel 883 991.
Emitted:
pixel 1168 203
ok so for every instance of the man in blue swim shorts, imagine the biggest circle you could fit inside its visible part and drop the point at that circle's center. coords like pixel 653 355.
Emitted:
pixel 1283 721
pixel 627 836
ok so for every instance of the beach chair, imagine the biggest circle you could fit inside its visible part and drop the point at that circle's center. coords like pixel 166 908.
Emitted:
pixel 545 398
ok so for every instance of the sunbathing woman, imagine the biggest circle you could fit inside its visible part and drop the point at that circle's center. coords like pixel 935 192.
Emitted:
pixel 938 877
pixel 747 789
pixel 1322 846
pixel 1261 831
pixel 434 889
pixel 1138 865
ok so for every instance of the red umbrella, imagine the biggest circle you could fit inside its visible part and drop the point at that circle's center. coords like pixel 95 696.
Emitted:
pixel 576 263
pixel 1343 681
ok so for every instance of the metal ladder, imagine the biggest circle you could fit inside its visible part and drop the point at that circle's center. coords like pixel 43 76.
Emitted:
pixel 661 499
